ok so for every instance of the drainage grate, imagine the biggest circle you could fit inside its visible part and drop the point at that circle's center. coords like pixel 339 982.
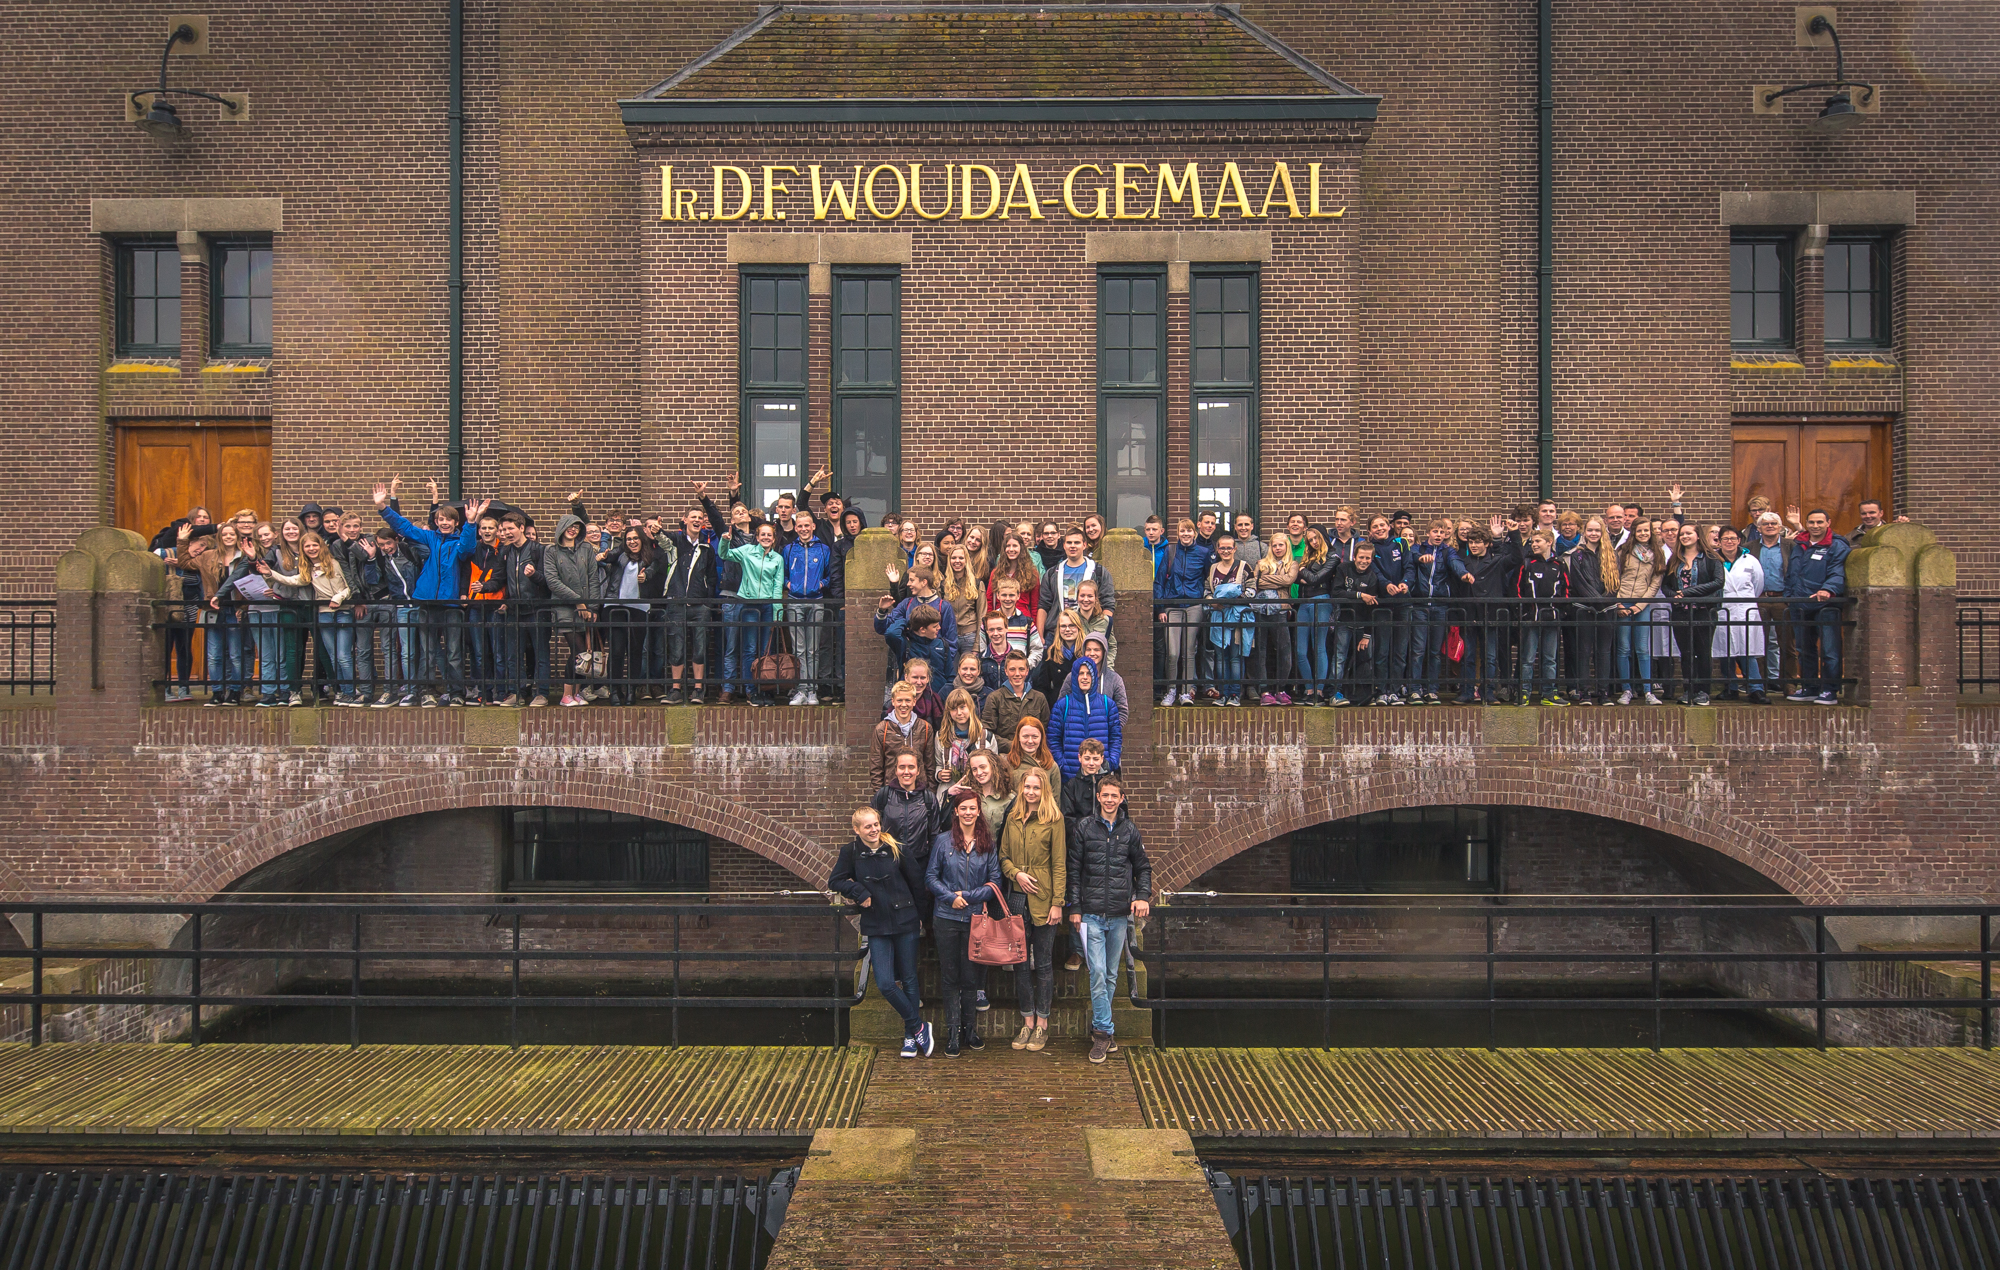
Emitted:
pixel 1697 1223
pixel 165 1221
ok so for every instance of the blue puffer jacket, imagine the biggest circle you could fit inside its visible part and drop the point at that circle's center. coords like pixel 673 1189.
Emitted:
pixel 438 579
pixel 952 872
pixel 1080 716
pixel 1185 572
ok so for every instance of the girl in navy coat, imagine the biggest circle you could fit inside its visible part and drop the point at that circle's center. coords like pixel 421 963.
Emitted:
pixel 874 872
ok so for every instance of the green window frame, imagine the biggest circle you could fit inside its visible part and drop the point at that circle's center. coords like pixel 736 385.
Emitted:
pixel 1425 850
pixel 1858 312
pixel 1760 291
pixel 867 454
pixel 147 298
pixel 1131 394
pixel 771 376
pixel 1225 377
pixel 569 848
pixel 239 297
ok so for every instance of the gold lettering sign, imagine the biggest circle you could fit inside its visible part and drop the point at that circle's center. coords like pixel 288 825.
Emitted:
pixel 1105 189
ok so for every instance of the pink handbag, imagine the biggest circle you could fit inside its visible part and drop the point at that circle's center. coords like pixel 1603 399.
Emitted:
pixel 997 941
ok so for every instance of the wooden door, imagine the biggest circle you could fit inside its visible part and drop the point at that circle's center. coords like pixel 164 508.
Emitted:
pixel 1835 465
pixel 165 469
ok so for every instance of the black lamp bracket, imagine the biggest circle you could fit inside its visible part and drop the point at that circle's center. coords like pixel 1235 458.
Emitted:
pixel 180 34
pixel 1820 26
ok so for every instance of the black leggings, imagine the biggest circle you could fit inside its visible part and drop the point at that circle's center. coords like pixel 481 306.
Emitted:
pixel 962 977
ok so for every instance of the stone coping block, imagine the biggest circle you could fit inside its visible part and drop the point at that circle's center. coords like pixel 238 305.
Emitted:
pixel 862 1155
pixel 1141 1155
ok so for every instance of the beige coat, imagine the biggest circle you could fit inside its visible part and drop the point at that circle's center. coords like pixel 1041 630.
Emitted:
pixel 1039 851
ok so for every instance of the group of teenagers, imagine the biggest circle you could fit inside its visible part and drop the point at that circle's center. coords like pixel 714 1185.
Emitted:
pixel 1543 606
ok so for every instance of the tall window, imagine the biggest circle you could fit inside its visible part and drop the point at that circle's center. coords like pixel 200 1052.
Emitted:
pixel 1131 394
pixel 1760 291
pixel 867 389
pixel 1415 849
pixel 561 848
pixel 149 299
pixel 240 298
pixel 772 344
pixel 1857 292
pixel 1224 374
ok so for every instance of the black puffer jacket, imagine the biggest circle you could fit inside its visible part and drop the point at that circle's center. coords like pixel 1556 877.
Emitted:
pixel 891 884
pixel 1107 867
pixel 911 818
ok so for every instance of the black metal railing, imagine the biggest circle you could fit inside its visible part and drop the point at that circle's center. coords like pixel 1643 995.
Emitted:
pixel 1979 643
pixel 1648 941
pixel 1790 1221
pixel 1407 651
pixel 246 1220
pixel 648 936
pixel 434 652
pixel 28 642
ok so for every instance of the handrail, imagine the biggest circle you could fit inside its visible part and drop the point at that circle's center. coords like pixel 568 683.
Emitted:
pixel 350 918
pixel 1159 957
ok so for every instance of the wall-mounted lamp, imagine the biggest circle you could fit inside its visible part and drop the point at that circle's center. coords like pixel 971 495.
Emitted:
pixel 157 117
pixel 1851 98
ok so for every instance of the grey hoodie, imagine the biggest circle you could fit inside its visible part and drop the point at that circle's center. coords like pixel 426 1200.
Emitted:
pixel 572 571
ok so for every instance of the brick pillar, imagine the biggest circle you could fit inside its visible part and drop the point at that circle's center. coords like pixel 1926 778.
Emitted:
pixel 1130 563
pixel 107 655
pixel 866 655
pixel 1904 651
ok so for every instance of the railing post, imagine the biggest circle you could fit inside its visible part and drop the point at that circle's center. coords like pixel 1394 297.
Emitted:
pixel 1325 981
pixel 1654 921
pixel 677 981
pixel 514 1003
pixel 35 1006
pixel 194 1021
pixel 1492 1010
pixel 1986 981
pixel 354 987
pixel 1819 962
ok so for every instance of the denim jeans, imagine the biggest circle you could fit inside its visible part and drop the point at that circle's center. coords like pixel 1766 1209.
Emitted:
pixel 364 652
pixel 530 665
pixel 398 637
pixel 1103 946
pixel 895 961
pixel 1816 634
pixel 1341 655
pixel 1482 659
pixel 224 653
pixel 745 643
pixel 1635 641
pixel 1427 632
pixel 1310 640
pixel 264 633
pixel 1540 642
pixel 1229 666
pixel 444 649
pixel 488 664
pixel 336 648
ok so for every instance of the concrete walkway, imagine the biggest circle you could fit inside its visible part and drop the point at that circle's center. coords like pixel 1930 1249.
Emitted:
pixel 993 1167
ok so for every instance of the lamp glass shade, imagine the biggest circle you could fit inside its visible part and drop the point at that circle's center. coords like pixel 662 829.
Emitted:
pixel 1837 115
pixel 161 121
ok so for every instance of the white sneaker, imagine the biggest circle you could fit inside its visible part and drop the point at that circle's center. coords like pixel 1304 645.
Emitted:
pixel 1652 699
pixel 799 697
pixel 1624 698
pixel 812 698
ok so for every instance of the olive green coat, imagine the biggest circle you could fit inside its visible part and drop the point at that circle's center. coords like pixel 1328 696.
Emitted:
pixel 1039 851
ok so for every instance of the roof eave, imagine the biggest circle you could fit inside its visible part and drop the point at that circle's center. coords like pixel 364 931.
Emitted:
pixel 776 110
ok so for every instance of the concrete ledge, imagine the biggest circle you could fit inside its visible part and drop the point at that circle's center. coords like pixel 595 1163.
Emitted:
pixel 171 215
pixel 1177 249
pixel 1509 725
pixel 1817 207
pixel 862 1155
pixel 493 725
pixel 1139 1155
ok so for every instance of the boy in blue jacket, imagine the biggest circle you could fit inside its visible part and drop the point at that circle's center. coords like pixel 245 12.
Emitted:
pixel 443 625
pixel 1433 569
pixel 1084 713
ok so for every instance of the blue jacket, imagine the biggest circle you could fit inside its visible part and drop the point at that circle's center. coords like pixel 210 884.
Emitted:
pixel 1817 567
pixel 1183 575
pixel 1395 561
pixel 1433 581
pixel 952 872
pixel 1080 716
pixel 439 578
pixel 808 567
pixel 941 652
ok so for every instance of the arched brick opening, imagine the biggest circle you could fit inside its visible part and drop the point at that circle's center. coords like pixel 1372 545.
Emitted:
pixel 1747 844
pixel 358 809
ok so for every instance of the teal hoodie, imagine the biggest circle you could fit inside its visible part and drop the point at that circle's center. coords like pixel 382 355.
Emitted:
pixel 763 571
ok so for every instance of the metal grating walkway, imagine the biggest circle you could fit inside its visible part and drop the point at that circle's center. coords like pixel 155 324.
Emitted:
pixel 1655 1223
pixel 1571 1094
pixel 430 1090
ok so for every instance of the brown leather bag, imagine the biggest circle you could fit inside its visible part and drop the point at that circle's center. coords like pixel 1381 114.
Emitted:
pixel 997 941
pixel 778 668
